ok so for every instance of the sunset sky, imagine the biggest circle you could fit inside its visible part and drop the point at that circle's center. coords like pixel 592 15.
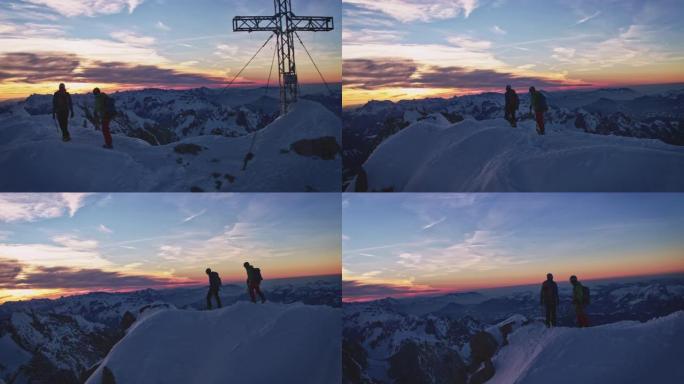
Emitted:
pixel 404 49
pixel 124 44
pixel 407 244
pixel 54 244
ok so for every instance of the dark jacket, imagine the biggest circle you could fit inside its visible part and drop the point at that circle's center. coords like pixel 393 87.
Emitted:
pixel 214 280
pixel 549 293
pixel 253 277
pixel 512 100
pixel 61 103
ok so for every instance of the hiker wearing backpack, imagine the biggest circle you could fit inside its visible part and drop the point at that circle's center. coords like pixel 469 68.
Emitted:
pixel 549 299
pixel 61 106
pixel 538 104
pixel 253 282
pixel 511 106
pixel 214 286
pixel 104 112
pixel 580 299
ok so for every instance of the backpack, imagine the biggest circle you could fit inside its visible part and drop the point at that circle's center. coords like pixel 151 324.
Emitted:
pixel 215 278
pixel 541 99
pixel 585 295
pixel 257 274
pixel 110 107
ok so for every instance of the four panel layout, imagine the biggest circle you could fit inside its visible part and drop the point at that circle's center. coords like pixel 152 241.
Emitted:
pixel 341 191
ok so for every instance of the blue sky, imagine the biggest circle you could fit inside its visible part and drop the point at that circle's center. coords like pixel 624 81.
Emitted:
pixel 161 239
pixel 412 243
pixel 169 37
pixel 426 48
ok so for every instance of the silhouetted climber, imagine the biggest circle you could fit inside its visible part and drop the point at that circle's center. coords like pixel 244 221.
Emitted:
pixel 253 282
pixel 214 285
pixel 104 112
pixel 512 103
pixel 580 299
pixel 61 106
pixel 538 104
pixel 549 298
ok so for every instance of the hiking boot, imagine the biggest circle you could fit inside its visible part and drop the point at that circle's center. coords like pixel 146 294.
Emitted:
pixel 66 138
pixel 107 146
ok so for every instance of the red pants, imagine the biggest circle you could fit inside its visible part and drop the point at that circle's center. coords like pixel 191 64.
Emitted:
pixel 254 290
pixel 582 319
pixel 105 131
pixel 540 121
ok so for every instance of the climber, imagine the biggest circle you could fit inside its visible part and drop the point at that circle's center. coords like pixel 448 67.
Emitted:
pixel 580 299
pixel 61 106
pixel 104 112
pixel 549 299
pixel 214 286
pixel 253 282
pixel 511 106
pixel 538 104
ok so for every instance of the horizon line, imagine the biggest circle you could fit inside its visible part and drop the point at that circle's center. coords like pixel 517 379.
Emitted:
pixel 189 284
pixel 482 91
pixel 432 293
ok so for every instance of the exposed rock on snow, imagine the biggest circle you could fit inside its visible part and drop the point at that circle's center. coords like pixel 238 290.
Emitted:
pixel 33 157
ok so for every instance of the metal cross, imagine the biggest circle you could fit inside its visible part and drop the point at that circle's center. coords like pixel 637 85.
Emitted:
pixel 284 24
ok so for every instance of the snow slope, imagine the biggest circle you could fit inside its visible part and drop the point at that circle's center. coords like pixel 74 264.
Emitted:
pixel 33 158
pixel 491 156
pixel 243 343
pixel 624 352
pixel 12 356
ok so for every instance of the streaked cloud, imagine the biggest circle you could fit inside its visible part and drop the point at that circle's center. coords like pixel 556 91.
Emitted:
pixel 194 215
pixel 33 207
pixel 498 240
pixel 418 10
pixel 162 26
pixel 132 38
pixel 402 73
pixel 71 8
pixel 587 18
pixel 498 30
pixel 65 67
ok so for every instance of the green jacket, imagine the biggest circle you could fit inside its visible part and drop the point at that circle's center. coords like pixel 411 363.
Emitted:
pixel 100 105
pixel 577 294
pixel 534 100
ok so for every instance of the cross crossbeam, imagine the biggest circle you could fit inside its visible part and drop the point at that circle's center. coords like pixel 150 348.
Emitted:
pixel 284 24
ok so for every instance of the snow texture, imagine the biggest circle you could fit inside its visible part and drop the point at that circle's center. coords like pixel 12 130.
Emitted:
pixel 243 343
pixel 34 158
pixel 624 352
pixel 489 155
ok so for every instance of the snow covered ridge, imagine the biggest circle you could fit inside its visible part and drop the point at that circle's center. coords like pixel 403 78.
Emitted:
pixel 63 340
pixel 605 112
pixel 295 152
pixel 623 352
pixel 489 155
pixel 460 337
pixel 243 343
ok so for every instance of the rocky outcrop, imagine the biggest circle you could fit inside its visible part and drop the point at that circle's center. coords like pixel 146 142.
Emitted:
pixel 417 363
pixel 325 147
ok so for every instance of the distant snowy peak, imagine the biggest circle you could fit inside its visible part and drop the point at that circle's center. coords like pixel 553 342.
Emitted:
pixel 242 343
